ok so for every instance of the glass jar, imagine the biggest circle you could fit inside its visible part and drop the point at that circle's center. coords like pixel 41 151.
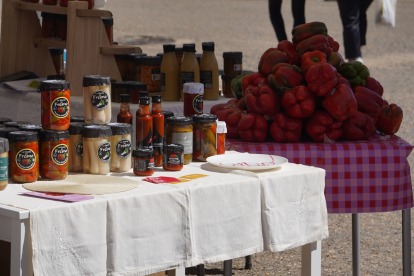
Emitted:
pixel 204 138
pixel 5 120
pixel 124 115
pixel 57 58
pixel 120 87
pixel 49 2
pixel 135 88
pixel 54 153
pixel 109 24
pixel 62 26
pixel 16 124
pixel 209 72
pixel 30 128
pixel 97 99
pixel 173 157
pixel 170 75
pixel 55 104
pixel 77 119
pixel 134 66
pixel 158 129
pixel 233 63
pixel 143 162
pixel 180 131
pixel 121 147
pixel 226 85
pixel 76 147
pixel 64 3
pixel 221 137
pixel 179 55
pixel 4 163
pixel 144 123
pixel 48 25
pixel 150 73
pixel 122 63
pixel 193 98
pixel 24 156
pixel 4 132
pixel 97 149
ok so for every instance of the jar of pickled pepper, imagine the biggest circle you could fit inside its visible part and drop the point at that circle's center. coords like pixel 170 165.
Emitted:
pixel 24 156
pixel 55 105
pixel 54 153
pixel 180 131
pixel 204 138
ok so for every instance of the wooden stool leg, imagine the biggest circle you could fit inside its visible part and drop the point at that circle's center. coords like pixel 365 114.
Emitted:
pixel 228 268
pixel 200 270
pixel 248 264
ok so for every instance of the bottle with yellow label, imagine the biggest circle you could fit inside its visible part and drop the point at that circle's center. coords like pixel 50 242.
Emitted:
pixel 170 75
pixel 209 72
pixel 190 71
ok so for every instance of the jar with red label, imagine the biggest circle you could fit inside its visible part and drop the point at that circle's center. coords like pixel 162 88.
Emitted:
pixel 143 162
pixel 54 153
pixel 173 157
pixel 193 98
pixel 48 24
pixel 24 156
pixel 55 104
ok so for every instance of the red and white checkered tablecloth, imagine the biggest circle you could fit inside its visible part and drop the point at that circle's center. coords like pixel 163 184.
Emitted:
pixel 361 177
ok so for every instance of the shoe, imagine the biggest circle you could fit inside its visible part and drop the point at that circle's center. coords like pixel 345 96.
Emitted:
pixel 356 59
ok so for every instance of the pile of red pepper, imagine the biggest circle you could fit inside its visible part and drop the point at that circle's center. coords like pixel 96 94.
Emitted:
pixel 304 87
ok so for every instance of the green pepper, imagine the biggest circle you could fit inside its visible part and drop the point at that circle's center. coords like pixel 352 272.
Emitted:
pixel 236 86
pixel 355 72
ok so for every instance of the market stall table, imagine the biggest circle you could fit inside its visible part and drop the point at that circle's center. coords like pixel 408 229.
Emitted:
pixel 361 177
pixel 158 227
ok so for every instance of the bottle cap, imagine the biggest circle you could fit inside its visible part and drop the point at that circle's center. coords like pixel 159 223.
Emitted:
pixel 189 48
pixel 144 101
pixel 221 127
pixel 156 99
pixel 208 46
pixel 167 114
pixel 125 98
pixel 168 48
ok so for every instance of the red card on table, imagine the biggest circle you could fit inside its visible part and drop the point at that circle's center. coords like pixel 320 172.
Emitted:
pixel 161 179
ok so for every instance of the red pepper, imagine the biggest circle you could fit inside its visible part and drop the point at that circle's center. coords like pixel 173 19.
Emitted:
pixel 368 101
pixel 358 127
pixel 284 77
pixel 316 42
pixel 305 31
pixel 242 104
pixel 312 58
pixel 285 129
pixel 334 45
pixel 374 85
pixel 323 127
pixel 299 102
pixel 289 49
pixel 269 59
pixel 336 60
pixel 390 119
pixel 342 80
pixel 341 103
pixel 321 78
pixel 232 118
pixel 255 79
pixel 253 128
pixel 262 100
pixel 218 107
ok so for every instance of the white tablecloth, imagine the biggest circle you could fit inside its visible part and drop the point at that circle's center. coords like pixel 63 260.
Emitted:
pixel 156 227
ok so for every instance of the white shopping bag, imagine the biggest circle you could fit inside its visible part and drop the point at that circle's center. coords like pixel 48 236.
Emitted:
pixel 385 12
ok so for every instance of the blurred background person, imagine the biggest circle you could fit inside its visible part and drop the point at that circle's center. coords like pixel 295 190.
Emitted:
pixel 298 11
pixel 354 21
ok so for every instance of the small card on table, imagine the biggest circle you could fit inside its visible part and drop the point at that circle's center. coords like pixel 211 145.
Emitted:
pixel 60 197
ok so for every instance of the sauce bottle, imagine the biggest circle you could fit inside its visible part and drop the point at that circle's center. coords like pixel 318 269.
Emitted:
pixel 144 124
pixel 124 115
pixel 190 71
pixel 158 129
pixel 209 72
pixel 170 74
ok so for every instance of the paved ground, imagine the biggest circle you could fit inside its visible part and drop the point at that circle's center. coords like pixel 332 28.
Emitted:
pixel 245 26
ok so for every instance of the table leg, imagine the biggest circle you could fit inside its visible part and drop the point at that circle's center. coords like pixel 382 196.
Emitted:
pixel 248 264
pixel 227 268
pixel 356 264
pixel 21 248
pixel 200 270
pixel 176 272
pixel 406 241
pixel 311 259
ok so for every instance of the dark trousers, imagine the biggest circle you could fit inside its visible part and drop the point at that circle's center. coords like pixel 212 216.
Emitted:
pixel 298 11
pixel 354 21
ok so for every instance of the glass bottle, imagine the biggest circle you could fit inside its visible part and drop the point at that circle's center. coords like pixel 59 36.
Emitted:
pixel 158 129
pixel 209 72
pixel 144 124
pixel 170 74
pixel 190 71
pixel 124 115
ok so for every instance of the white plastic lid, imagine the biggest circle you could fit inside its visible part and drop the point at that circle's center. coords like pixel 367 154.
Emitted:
pixel 193 88
pixel 221 127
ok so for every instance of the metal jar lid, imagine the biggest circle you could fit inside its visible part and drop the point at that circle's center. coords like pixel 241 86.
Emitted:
pixel 96 80
pixel 23 136
pixel 204 118
pixel 174 148
pixel 179 120
pixel 49 85
pixel 143 153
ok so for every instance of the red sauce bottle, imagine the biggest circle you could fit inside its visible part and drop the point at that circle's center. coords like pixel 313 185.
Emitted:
pixel 144 124
pixel 124 115
pixel 158 129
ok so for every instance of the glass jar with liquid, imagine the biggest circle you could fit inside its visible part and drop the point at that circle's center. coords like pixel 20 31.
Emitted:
pixel 190 71
pixel 209 72
pixel 170 75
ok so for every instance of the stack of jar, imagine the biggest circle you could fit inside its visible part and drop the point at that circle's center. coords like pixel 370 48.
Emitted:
pixel 233 67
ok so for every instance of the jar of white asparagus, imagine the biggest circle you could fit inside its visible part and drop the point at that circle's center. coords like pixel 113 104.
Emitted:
pixel 96 149
pixel 121 147
pixel 97 99
pixel 76 147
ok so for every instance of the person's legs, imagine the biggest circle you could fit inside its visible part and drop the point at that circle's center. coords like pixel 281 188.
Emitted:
pixel 277 19
pixel 363 7
pixel 349 11
pixel 298 11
